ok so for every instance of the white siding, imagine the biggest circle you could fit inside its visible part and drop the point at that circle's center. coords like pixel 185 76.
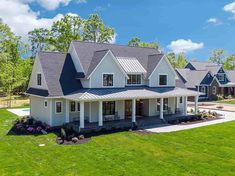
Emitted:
pixel 108 65
pixel 120 108
pixel 94 111
pixel 153 107
pixel 58 119
pixel 75 58
pixel 37 68
pixel 171 103
pixel 162 68
pixel 38 111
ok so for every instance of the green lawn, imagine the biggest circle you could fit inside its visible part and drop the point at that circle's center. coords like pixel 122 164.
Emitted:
pixel 203 151
pixel 227 101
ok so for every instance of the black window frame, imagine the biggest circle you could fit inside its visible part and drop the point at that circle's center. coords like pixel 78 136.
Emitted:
pixel 109 108
pixel 56 107
pixel 78 107
pixel 164 83
pixel 72 106
pixel 136 77
pixel 45 104
pixel 39 79
pixel 165 104
pixel 108 79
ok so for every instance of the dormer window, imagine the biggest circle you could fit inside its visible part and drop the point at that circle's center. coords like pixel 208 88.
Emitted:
pixel 134 80
pixel 162 80
pixel 39 79
pixel 221 77
pixel 107 80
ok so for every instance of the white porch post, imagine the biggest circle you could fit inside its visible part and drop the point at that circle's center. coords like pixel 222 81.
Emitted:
pixel 100 113
pixel 133 110
pixel 196 105
pixel 161 108
pixel 67 111
pixel 81 114
pixel 51 112
pixel 185 105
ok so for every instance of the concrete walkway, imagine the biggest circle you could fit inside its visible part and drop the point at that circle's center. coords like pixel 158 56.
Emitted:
pixel 20 111
pixel 227 116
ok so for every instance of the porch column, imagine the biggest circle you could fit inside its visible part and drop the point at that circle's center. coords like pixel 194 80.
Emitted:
pixel 185 105
pixel 67 111
pixel 81 114
pixel 133 110
pixel 100 113
pixel 196 104
pixel 161 108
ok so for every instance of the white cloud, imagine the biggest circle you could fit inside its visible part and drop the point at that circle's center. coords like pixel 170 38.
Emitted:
pixel 181 45
pixel 22 19
pixel 52 4
pixel 212 20
pixel 230 7
pixel 113 40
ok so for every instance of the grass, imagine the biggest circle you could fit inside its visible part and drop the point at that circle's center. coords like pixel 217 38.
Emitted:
pixel 232 101
pixel 202 151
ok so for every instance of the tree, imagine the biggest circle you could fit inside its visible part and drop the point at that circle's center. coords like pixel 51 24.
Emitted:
pixel 95 30
pixel 229 63
pixel 135 41
pixel 218 56
pixel 181 61
pixel 39 39
pixel 172 59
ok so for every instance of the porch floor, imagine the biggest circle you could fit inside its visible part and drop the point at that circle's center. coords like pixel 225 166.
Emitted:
pixel 142 121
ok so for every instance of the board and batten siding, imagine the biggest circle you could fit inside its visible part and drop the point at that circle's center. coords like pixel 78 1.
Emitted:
pixel 37 68
pixel 109 66
pixel 163 68
pixel 38 110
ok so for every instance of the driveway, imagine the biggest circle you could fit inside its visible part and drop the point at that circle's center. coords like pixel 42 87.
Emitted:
pixel 226 117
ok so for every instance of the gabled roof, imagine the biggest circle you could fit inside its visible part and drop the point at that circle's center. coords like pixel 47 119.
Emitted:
pixel 192 77
pixel 131 65
pixel 60 73
pixel 86 50
pixel 153 61
pixel 202 65
pixel 213 69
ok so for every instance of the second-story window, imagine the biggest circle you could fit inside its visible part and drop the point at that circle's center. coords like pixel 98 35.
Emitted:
pixel 107 80
pixel 162 80
pixel 221 77
pixel 134 79
pixel 39 79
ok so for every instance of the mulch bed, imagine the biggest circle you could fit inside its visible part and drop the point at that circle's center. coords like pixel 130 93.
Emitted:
pixel 66 142
pixel 200 121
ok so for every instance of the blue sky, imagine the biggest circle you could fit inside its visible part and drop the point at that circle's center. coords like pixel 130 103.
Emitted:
pixel 193 26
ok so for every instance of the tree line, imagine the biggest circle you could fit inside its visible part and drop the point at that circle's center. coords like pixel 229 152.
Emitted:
pixel 17 57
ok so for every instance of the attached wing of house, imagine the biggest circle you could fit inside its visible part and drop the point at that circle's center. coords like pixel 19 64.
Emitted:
pixel 98 83
pixel 218 82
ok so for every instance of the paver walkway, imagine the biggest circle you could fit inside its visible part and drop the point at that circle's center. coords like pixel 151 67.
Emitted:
pixel 227 116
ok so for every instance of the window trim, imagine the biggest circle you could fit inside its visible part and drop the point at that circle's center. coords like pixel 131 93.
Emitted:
pixel 74 106
pixel 103 79
pixel 45 101
pixel 39 73
pixel 61 107
pixel 214 90
pixel 221 74
pixel 136 80
pixel 162 74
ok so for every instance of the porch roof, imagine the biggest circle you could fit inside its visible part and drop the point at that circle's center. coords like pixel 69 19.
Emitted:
pixel 129 93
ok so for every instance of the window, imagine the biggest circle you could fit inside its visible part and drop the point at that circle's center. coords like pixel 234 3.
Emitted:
pixel 134 79
pixel 39 79
pixel 109 108
pixel 45 103
pixel 162 80
pixel 221 77
pixel 72 106
pixel 78 106
pixel 214 90
pixel 58 107
pixel 165 104
pixel 203 89
pixel 181 99
pixel 107 79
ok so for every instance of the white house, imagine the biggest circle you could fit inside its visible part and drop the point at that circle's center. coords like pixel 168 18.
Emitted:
pixel 95 83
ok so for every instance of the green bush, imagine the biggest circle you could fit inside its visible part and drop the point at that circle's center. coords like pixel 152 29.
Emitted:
pixel 219 97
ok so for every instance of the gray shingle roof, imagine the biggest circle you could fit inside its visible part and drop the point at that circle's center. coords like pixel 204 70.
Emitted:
pixel 202 65
pixel 231 75
pixel 153 61
pixel 86 50
pixel 192 77
pixel 60 73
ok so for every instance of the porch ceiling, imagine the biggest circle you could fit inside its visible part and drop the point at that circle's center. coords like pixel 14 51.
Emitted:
pixel 129 93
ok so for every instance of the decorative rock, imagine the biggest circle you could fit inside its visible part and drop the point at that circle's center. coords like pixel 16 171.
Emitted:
pixel 74 139
pixel 81 137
